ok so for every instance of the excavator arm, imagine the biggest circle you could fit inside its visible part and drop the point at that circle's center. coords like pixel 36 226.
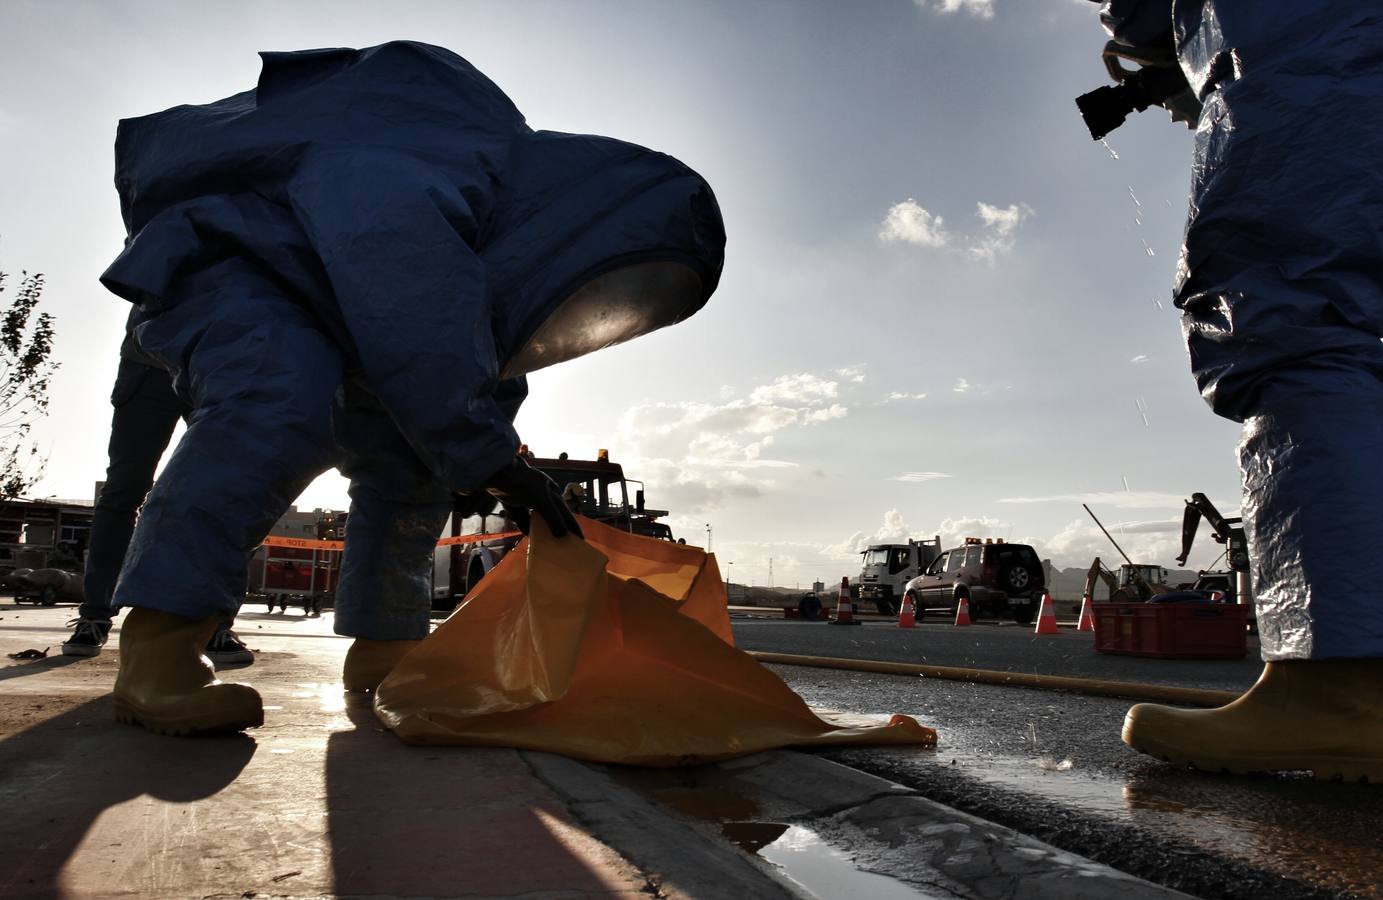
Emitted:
pixel 1099 573
pixel 1229 532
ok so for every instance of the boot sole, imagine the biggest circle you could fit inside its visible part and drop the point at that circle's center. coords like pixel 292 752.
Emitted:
pixel 1322 768
pixel 129 714
pixel 80 650
pixel 236 658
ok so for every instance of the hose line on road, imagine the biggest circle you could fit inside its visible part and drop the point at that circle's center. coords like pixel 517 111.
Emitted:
pixel 1096 686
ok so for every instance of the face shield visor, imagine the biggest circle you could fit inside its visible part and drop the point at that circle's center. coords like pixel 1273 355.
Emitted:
pixel 610 309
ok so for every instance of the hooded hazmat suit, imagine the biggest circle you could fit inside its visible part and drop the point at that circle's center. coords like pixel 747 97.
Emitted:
pixel 353 264
pixel 1280 284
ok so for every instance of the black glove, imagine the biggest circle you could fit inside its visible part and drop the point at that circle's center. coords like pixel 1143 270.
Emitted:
pixel 521 488
pixel 478 503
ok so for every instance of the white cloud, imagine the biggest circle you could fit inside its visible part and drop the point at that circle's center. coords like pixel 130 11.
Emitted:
pixel 920 476
pixel 998 227
pixel 800 388
pixel 703 453
pixel 982 9
pixel 953 532
pixel 910 223
pixel 1140 358
pixel 1002 221
pixel 961 386
pixel 1117 499
pixel 834 411
pixel 898 396
pixel 1155 543
pixel 853 374
pixel 894 530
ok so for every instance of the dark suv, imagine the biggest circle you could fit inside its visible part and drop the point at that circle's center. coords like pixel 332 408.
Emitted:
pixel 1000 580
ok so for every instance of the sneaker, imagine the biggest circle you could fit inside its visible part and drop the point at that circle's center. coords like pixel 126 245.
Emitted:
pixel 225 648
pixel 87 638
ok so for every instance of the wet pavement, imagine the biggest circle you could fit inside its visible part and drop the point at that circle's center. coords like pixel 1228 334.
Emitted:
pixel 321 801
pixel 1052 766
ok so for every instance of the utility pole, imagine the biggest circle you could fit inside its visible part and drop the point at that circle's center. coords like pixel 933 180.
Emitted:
pixel 708 537
pixel 770 571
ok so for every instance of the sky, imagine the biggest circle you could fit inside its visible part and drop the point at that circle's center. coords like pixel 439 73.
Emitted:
pixel 944 311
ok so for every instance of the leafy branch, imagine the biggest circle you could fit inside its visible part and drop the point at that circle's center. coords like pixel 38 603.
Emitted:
pixel 26 371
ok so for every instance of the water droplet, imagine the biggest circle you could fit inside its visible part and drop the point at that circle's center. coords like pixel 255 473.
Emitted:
pixel 1112 154
pixel 1134 196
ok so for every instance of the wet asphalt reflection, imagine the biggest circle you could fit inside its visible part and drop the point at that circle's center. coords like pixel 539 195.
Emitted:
pixel 1053 766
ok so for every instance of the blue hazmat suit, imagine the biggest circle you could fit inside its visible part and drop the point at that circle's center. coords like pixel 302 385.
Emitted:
pixel 354 264
pixel 1280 283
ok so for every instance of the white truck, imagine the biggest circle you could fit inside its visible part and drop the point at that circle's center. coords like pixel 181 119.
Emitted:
pixel 888 567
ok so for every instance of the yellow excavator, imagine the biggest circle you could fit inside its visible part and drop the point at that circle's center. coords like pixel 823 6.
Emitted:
pixel 1133 583
pixel 1130 584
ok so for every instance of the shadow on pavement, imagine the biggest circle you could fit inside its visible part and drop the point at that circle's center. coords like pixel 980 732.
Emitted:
pixel 434 821
pixel 18 668
pixel 58 776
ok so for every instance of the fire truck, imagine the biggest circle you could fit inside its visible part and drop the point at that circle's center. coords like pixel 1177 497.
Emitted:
pixel 596 489
pixel 295 570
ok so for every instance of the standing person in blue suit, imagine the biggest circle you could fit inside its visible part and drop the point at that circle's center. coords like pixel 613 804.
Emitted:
pixel 1280 284
pixel 146 413
pixel 367 251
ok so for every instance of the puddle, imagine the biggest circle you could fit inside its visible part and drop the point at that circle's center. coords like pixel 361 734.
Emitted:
pixel 799 853
pixel 823 871
pixel 752 836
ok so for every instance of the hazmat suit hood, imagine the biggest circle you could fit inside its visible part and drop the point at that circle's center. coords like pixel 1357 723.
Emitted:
pixel 397 193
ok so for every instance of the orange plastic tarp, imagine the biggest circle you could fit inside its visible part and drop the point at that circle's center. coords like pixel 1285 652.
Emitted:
pixel 613 649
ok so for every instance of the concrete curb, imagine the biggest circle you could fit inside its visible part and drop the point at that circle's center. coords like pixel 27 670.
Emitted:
pixel 890 830
pixel 884 828
pixel 680 860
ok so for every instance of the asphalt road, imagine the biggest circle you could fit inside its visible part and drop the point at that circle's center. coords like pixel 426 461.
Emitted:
pixel 1002 647
pixel 1051 764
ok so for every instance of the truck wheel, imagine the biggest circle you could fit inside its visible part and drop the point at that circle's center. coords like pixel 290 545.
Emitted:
pixel 49 597
pixel 886 607
pixel 1023 614
pixel 809 608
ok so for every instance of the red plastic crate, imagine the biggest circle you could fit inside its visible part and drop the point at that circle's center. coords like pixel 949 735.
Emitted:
pixel 1172 630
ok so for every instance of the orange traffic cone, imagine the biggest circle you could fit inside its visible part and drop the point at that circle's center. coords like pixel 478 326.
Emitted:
pixel 1087 614
pixel 845 610
pixel 963 610
pixel 1046 616
pixel 907 616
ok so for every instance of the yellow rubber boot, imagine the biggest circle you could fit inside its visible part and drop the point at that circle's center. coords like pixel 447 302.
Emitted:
pixel 1321 715
pixel 169 687
pixel 369 662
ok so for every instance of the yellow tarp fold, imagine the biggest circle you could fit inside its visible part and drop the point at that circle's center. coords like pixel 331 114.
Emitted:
pixel 616 649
